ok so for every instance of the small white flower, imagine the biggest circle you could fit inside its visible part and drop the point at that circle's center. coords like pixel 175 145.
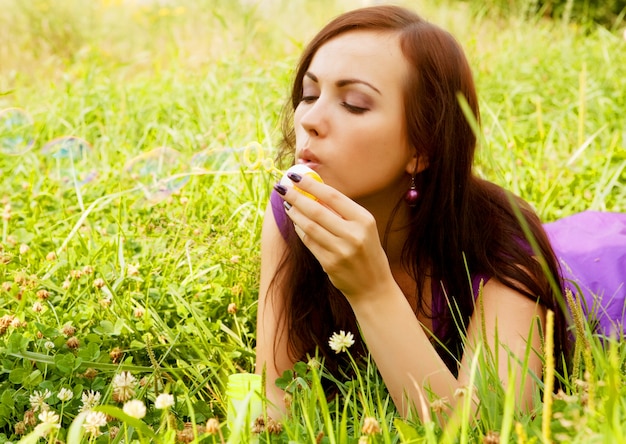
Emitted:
pixel 123 386
pixel 135 408
pixel 132 270
pixel 341 342
pixel 370 426
pixel 24 249
pixel 49 420
pixel 164 401
pixel 65 394
pixel 90 400
pixel 48 417
pixel 38 400
pixel 93 422
pixel 138 312
pixel 49 345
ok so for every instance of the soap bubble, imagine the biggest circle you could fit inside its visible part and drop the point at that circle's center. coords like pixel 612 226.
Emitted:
pixel 17 131
pixel 217 160
pixel 155 172
pixel 164 188
pixel 150 167
pixel 248 159
pixel 72 157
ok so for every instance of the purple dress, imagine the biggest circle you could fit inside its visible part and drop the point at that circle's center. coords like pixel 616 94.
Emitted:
pixel 591 250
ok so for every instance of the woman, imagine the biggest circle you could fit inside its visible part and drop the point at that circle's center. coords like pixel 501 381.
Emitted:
pixel 402 232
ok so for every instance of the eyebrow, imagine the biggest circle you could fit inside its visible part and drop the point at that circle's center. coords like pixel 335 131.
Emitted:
pixel 344 82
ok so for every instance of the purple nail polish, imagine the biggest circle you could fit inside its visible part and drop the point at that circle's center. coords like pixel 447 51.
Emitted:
pixel 287 205
pixel 280 189
pixel 294 177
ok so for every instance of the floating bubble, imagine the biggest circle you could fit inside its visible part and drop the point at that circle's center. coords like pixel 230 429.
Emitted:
pixel 17 131
pixel 250 158
pixel 218 160
pixel 150 167
pixel 157 172
pixel 164 188
pixel 72 158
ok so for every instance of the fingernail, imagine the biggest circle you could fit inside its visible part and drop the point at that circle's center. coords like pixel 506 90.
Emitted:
pixel 294 177
pixel 287 205
pixel 280 189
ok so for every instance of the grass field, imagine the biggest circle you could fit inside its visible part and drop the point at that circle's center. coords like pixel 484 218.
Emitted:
pixel 135 167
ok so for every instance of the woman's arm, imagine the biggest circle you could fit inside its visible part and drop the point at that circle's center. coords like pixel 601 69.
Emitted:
pixel 343 237
pixel 271 348
pixel 409 363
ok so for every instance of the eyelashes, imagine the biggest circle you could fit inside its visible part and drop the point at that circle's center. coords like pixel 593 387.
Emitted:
pixel 351 108
pixel 354 109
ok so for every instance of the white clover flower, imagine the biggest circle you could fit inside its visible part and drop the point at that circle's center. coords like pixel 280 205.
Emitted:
pixel 164 401
pixel 38 400
pixel 123 386
pixel 48 345
pixel 341 342
pixel 135 408
pixel 370 426
pixel 212 426
pixel 49 420
pixel 138 312
pixel 90 400
pixel 49 417
pixel 132 270
pixel 93 422
pixel 65 394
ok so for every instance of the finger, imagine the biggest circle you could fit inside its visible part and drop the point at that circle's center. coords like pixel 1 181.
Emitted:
pixel 329 197
pixel 312 234
pixel 300 232
pixel 313 209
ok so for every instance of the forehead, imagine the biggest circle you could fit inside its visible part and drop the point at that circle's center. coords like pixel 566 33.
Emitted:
pixel 369 55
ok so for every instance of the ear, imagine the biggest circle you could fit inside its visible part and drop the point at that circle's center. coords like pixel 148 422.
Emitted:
pixel 416 164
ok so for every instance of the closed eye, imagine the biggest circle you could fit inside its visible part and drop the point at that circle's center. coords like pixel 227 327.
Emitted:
pixel 354 109
pixel 308 99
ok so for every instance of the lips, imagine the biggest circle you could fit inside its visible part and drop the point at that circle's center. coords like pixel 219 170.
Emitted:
pixel 307 158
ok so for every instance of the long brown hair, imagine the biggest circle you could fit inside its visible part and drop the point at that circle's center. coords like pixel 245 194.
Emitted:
pixel 462 223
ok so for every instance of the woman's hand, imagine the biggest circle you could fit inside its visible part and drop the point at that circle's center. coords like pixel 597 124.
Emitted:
pixel 342 235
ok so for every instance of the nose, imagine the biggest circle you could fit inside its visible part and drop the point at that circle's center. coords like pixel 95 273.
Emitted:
pixel 314 119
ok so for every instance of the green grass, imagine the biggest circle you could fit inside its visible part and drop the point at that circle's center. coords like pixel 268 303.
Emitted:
pixel 159 271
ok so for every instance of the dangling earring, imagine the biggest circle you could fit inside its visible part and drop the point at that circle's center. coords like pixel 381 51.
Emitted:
pixel 412 195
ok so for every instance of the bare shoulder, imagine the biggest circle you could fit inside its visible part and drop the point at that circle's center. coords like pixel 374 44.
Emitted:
pixel 496 297
pixel 508 315
pixel 511 323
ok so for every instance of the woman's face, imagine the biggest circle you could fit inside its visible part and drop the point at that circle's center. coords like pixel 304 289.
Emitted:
pixel 350 124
